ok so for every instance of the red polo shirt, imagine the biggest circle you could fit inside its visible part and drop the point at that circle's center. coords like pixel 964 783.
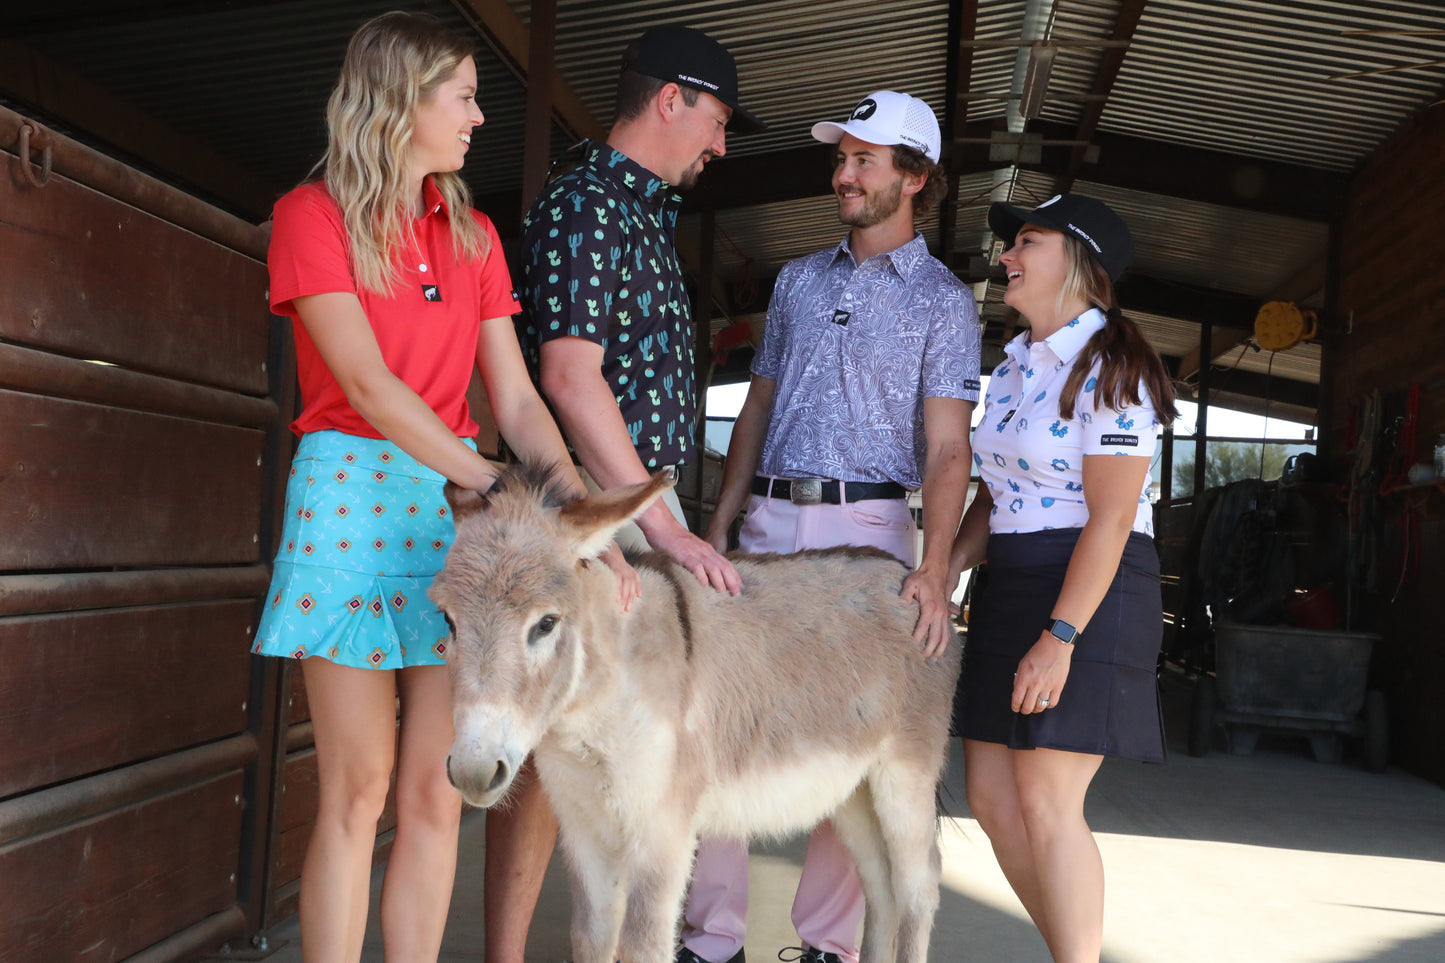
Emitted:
pixel 427 328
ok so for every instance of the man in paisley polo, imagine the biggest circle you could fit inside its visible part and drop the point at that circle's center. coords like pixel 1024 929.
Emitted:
pixel 607 315
pixel 862 389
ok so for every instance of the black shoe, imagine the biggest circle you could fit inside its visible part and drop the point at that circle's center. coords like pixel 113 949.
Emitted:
pixel 685 955
pixel 807 954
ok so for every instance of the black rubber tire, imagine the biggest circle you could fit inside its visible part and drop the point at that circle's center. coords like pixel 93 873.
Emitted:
pixel 1377 731
pixel 1201 717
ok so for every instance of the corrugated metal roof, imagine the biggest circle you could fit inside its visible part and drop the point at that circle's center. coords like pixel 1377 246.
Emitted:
pixel 1210 246
pixel 1300 363
pixel 251 82
pixel 1249 77
pixel 1253 76
pixel 798 63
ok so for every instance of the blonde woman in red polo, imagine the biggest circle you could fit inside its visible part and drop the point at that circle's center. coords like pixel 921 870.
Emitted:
pixel 398 291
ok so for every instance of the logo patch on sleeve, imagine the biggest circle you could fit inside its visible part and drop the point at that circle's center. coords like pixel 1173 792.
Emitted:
pixel 1120 441
pixel 971 384
pixel 841 317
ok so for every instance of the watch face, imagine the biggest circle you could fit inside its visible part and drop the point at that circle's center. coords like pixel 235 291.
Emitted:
pixel 1063 631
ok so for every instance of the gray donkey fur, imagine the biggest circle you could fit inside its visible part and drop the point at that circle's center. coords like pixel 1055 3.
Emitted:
pixel 695 713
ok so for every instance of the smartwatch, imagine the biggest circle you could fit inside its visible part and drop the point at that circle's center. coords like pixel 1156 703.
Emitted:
pixel 1064 632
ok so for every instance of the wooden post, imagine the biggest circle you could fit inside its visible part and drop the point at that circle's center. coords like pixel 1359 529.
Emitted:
pixel 541 69
pixel 1201 448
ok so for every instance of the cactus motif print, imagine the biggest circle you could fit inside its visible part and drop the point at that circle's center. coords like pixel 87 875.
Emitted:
pixel 599 263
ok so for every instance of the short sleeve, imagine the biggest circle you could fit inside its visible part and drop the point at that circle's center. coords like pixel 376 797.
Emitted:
pixel 951 358
pixel 308 253
pixel 576 278
pixel 768 358
pixel 496 297
pixel 1129 430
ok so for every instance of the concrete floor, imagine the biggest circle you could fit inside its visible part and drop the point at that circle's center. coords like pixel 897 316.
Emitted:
pixel 1225 859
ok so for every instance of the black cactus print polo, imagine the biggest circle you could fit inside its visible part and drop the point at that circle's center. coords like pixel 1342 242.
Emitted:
pixel 599 263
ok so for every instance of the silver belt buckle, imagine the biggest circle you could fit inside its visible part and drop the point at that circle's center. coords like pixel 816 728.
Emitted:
pixel 806 491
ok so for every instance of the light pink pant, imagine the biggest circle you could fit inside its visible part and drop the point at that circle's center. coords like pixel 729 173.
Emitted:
pixel 828 906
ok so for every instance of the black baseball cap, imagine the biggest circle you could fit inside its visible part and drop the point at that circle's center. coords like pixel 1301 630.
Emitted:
pixel 1103 232
pixel 689 57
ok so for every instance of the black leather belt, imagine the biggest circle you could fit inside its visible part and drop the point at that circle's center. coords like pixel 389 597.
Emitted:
pixel 824 491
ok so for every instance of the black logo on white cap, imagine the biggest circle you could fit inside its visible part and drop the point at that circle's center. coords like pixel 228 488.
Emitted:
pixel 865 109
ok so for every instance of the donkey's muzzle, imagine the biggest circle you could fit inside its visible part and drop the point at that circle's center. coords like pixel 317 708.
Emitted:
pixel 481 787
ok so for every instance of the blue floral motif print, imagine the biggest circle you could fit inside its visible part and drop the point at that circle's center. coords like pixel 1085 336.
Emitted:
pixel 1034 471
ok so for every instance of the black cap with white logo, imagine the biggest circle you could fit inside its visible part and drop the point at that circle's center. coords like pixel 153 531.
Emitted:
pixel 1102 231
pixel 689 57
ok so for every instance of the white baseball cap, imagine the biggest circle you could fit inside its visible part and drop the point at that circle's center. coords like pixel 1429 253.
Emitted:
pixel 887 118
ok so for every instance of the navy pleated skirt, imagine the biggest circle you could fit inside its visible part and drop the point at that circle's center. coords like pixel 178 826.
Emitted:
pixel 1110 703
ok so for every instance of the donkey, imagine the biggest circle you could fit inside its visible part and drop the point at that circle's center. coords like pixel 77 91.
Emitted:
pixel 694 713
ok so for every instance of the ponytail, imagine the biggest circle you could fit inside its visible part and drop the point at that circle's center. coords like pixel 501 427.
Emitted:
pixel 1127 359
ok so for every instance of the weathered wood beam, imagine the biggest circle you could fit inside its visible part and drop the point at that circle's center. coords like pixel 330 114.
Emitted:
pixel 505 33
pixel 31 78
pixel 1222 340
pixel 542 76
pixel 1176 170
pixel 1124 26
pixel 1184 302
pixel 962 23
pixel 784 175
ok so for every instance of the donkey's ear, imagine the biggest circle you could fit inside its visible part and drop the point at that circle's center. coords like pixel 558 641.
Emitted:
pixel 464 502
pixel 595 519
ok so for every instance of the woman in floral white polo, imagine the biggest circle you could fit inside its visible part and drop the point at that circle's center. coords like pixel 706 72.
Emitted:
pixel 1066 622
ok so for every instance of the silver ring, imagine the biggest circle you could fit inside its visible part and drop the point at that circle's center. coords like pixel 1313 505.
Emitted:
pixel 1044 701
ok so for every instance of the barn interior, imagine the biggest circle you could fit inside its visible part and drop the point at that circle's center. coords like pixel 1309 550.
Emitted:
pixel 1262 151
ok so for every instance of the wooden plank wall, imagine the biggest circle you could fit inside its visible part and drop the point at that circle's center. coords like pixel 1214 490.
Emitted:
pixel 1386 332
pixel 137 431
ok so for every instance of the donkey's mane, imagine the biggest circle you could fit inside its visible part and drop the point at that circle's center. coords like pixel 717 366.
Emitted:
pixel 536 480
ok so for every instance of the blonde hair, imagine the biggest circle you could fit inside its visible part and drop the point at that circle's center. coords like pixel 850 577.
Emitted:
pixel 392 63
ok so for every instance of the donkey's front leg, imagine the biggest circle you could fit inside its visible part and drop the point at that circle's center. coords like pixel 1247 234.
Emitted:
pixel 659 873
pixel 598 891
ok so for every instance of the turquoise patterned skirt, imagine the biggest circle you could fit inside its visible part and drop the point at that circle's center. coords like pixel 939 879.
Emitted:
pixel 366 528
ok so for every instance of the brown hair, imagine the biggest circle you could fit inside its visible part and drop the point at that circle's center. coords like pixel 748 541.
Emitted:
pixel 911 161
pixel 635 91
pixel 1127 358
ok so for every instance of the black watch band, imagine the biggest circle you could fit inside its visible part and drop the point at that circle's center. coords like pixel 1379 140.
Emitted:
pixel 1064 632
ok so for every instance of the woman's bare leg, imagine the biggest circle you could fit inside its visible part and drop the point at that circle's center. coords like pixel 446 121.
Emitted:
pixel 353 717
pixel 1051 787
pixel 989 780
pixel 417 891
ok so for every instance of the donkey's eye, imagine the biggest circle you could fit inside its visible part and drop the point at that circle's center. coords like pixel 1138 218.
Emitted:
pixel 451 626
pixel 544 627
